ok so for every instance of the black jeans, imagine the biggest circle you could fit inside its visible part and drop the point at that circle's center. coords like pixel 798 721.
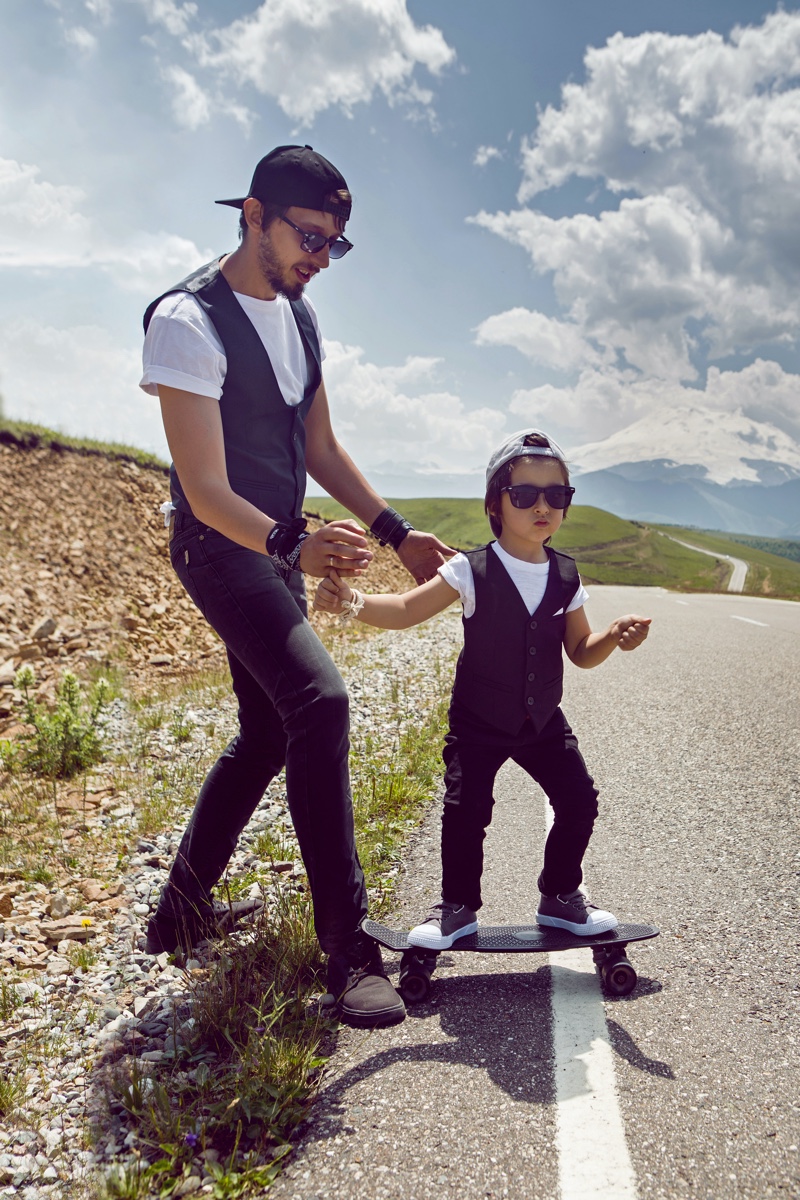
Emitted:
pixel 473 754
pixel 293 712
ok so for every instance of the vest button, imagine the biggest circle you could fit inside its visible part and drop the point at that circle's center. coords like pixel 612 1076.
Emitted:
pixel 530 699
pixel 532 650
pixel 533 624
pixel 531 677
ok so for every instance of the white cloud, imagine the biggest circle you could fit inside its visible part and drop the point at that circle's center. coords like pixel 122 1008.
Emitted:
pixel 191 106
pixel 546 340
pixel 700 138
pixel 485 154
pixel 311 55
pixel 81 39
pixel 40 222
pixel 175 18
pixel 100 10
pixel 602 402
pixel 42 227
pixel 77 380
pixel 392 418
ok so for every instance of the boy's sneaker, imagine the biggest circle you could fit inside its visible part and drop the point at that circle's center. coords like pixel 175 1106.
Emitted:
pixel 443 925
pixel 574 912
pixel 358 991
pixel 167 931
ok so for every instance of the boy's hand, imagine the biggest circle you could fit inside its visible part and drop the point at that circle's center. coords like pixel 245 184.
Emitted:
pixel 630 631
pixel 331 593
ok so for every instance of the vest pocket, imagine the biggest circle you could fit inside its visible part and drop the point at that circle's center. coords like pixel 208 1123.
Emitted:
pixel 492 683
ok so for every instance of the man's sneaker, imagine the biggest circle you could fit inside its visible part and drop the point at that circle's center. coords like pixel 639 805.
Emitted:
pixel 167 931
pixel 574 912
pixel 359 992
pixel 443 924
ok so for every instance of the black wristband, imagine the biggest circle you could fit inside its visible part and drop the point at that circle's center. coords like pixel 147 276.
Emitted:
pixel 284 541
pixel 390 528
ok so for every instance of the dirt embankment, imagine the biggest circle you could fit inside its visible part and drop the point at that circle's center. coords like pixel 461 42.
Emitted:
pixel 85 576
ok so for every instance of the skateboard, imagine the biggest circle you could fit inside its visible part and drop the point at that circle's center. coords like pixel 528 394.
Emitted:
pixel 417 963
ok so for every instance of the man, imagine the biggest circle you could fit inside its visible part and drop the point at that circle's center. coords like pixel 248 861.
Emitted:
pixel 233 353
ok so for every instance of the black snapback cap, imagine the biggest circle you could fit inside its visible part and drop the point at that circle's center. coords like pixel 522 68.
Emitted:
pixel 299 176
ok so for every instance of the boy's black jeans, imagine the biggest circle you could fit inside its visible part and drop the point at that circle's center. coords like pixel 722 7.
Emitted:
pixel 293 712
pixel 473 754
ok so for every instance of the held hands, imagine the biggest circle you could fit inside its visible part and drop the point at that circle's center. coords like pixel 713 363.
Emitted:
pixel 630 631
pixel 331 594
pixel 422 554
pixel 338 546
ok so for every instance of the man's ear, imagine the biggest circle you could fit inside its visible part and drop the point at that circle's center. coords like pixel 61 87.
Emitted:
pixel 253 213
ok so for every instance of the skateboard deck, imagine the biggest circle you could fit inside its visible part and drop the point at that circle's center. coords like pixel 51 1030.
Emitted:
pixel 608 949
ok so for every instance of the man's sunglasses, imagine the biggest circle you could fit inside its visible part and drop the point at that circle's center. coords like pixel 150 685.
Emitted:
pixel 312 243
pixel 525 495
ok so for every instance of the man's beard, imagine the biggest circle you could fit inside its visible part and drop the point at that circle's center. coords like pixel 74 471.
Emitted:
pixel 273 274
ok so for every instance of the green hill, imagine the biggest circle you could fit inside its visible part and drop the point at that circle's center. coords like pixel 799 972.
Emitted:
pixel 609 549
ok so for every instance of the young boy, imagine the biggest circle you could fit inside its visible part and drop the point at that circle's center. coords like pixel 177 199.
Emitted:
pixel 522 602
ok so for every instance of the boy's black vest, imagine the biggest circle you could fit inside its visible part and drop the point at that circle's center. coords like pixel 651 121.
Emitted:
pixel 264 437
pixel 511 666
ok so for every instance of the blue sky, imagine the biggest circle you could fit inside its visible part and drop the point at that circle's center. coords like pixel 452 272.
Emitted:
pixel 572 215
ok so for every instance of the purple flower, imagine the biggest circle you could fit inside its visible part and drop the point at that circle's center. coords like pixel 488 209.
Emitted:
pixel 191 1140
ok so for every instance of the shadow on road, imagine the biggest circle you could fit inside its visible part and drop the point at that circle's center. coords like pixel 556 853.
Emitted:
pixel 495 1024
pixel 626 1048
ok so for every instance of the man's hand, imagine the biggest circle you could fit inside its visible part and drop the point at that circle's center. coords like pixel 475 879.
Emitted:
pixel 630 631
pixel 331 593
pixel 422 554
pixel 339 545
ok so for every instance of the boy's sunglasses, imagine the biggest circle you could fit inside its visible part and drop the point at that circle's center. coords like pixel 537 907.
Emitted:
pixel 525 495
pixel 312 243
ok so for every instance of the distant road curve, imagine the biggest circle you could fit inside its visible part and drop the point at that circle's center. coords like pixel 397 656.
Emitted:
pixel 739 575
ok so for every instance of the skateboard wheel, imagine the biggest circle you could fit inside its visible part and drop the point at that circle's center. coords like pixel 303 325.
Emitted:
pixel 619 978
pixel 415 986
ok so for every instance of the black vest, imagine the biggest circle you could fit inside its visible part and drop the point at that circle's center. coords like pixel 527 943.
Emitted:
pixel 264 437
pixel 511 666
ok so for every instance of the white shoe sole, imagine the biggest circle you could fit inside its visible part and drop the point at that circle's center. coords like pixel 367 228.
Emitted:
pixel 603 925
pixel 432 941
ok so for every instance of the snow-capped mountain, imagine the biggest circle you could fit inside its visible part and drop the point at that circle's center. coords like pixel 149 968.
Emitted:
pixel 725 447
pixel 695 466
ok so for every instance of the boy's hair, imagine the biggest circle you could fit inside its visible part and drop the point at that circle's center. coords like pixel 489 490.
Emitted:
pixel 494 491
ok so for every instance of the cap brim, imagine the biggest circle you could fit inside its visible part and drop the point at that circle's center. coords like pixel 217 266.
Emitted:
pixel 232 203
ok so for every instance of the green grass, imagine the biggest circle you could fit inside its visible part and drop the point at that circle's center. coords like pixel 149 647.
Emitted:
pixel 768 574
pixel 32 437
pixel 460 523
pixel 783 547
pixel 612 550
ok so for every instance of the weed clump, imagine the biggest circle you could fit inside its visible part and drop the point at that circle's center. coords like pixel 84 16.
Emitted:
pixel 61 741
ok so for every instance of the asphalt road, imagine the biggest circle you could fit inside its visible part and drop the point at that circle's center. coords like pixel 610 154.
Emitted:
pixel 738 574
pixel 693 742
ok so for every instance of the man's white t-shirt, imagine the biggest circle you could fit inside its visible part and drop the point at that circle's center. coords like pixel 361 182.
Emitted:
pixel 182 348
pixel 530 580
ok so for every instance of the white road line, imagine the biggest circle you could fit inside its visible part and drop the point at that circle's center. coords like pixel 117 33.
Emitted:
pixel 749 620
pixel 593 1159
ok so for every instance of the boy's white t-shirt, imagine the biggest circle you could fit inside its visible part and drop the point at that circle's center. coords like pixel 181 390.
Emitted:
pixel 530 580
pixel 182 348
